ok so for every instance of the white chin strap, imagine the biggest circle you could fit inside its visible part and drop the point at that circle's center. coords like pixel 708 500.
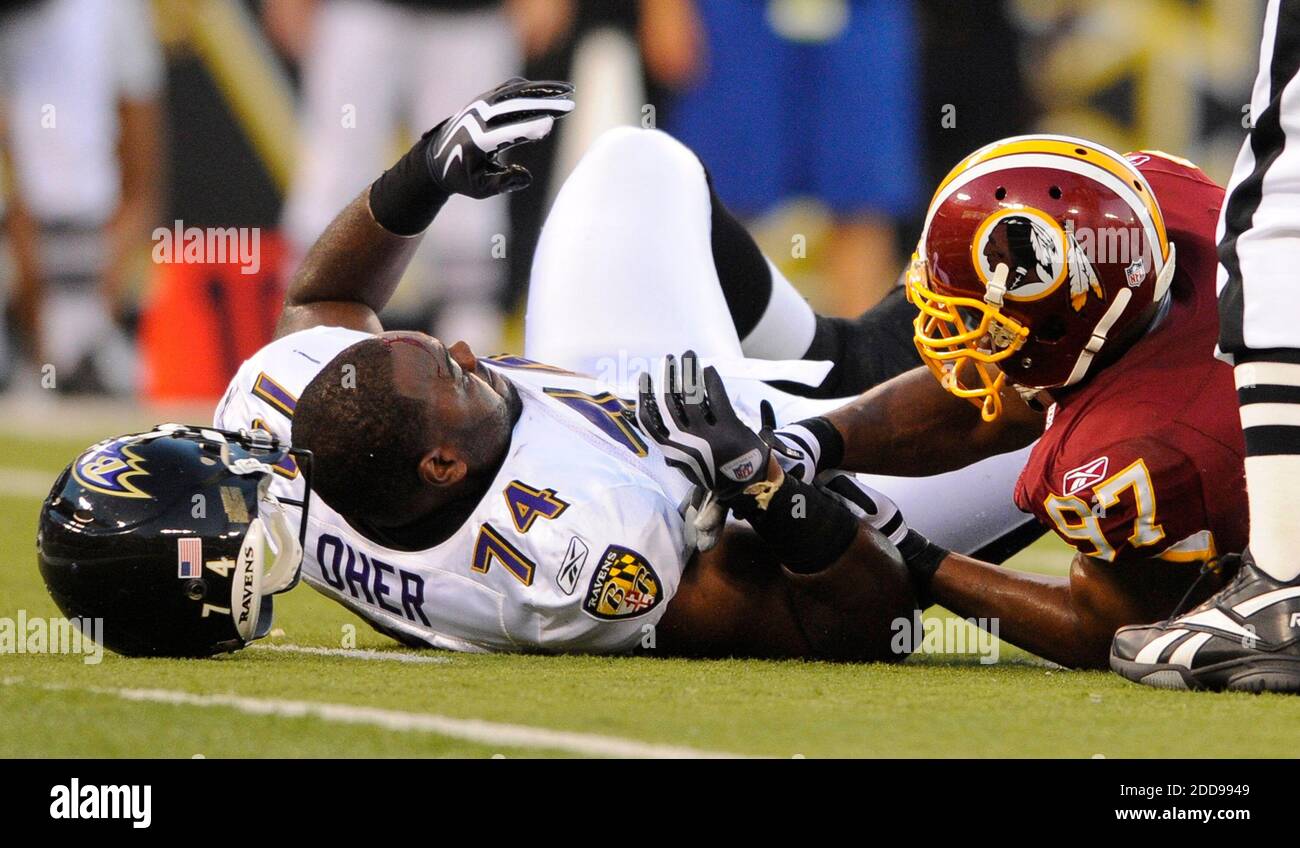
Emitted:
pixel 1098 339
pixel 254 579
pixel 282 574
pixel 1090 350
pixel 997 286
pixel 273 525
pixel 1165 277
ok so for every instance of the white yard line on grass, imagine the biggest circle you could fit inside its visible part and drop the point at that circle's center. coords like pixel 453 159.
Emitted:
pixel 469 730
pixel 26 482
pixel 352 653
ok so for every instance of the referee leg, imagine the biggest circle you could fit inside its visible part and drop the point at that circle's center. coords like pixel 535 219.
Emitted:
pixel 1259 253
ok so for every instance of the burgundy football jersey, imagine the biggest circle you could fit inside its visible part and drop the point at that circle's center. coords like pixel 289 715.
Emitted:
pixel 1145 459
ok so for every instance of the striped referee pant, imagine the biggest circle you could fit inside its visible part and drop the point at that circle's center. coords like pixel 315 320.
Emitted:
pixel 1259 293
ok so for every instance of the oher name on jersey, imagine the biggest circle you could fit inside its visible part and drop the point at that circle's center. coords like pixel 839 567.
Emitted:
pixel 578 544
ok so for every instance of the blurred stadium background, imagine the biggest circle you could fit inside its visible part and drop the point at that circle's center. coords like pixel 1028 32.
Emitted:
pixel 122 116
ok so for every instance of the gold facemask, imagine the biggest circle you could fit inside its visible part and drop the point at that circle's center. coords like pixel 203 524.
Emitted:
pixel 960 338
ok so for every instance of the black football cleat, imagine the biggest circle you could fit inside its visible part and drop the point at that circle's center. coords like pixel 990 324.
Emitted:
pixel 1246 637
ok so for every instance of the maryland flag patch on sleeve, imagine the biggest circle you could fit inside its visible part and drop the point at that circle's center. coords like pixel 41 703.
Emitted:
pixel 623 586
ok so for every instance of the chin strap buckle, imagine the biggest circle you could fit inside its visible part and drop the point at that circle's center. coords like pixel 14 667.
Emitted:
pixel 997 287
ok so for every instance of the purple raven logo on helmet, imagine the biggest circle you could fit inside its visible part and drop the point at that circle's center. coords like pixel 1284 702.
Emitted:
pixel 109 467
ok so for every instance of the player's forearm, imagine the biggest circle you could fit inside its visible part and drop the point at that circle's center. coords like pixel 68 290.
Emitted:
pixel 355 261
pixel 736 601
pixel 139 150
pixel 1033 611
pixel 353 269
pixel 911 426
pixel 29 283
pixel 849 609
pixel 847 584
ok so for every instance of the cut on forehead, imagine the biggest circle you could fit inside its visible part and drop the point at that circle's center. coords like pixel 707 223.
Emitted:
pixel 403 364
pixel 416 361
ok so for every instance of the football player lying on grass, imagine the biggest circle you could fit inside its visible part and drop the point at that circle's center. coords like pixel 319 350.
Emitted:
pixel 456 502
pixel 1085 281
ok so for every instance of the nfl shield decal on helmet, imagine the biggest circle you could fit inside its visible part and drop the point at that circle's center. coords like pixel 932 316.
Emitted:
pixel 623 586
pixel 1136 272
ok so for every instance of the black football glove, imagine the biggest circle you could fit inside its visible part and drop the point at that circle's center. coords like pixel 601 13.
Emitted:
pixel 690 417
pixel 462 155
pixel 794 461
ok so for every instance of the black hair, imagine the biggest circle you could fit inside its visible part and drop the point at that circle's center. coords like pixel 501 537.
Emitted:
pixel 366 437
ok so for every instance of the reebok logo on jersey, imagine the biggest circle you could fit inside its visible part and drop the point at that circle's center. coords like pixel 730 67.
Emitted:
pixel 623 586
pixel 1085 475
pixel 575 559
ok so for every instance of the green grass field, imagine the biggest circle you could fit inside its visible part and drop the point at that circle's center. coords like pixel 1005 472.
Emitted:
pixel 287 701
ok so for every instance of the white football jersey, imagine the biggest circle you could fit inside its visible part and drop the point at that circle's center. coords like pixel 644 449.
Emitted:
pixel 578 544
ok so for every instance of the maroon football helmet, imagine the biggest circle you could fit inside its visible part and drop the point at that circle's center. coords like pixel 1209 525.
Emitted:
pixel 1036 250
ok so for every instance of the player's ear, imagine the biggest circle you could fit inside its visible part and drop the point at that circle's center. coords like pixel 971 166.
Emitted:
pixel 442 467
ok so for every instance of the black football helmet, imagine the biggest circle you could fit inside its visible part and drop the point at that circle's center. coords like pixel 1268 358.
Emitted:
pixel 173 539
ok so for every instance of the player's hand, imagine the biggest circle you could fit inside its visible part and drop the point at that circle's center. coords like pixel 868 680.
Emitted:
pixel 462 155
pixel 793 460
pixel 707 517
pixel 690 416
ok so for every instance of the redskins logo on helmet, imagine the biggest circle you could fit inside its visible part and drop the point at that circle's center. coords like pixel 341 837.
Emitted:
pixel 1036 249
pixel 1039 252
pixel 1031 244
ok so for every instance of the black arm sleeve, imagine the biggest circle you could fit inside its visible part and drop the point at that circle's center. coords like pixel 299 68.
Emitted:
pixel 405 199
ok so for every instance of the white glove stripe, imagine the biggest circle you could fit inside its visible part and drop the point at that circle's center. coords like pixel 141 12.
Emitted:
pixel 474 117
pixel 885 509
pixel 534 129
pixel 684 440
pixel 804 440
pixel 520 104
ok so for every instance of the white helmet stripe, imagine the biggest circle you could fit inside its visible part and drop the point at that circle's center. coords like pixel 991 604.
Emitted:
pixel 1060 163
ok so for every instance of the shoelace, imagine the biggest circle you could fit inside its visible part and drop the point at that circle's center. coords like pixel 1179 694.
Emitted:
pixel 1215 566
